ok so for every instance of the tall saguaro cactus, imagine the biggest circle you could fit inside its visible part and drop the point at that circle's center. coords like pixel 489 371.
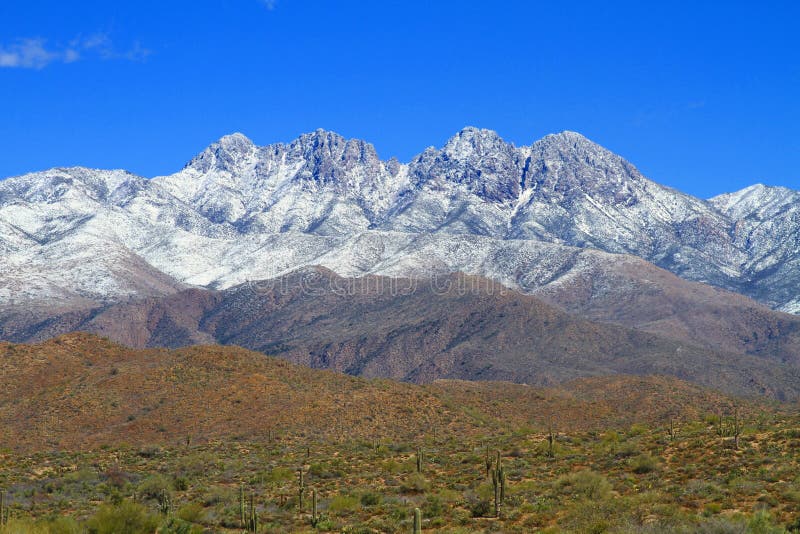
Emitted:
pixel 301 489
pixel 252 525
pixel 499 484
pixel 314 516
pixel 417 521
pixel 241 506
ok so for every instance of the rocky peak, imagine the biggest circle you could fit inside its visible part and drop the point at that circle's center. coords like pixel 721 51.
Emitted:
pixel 329 157
pixel 477 159
pixel 473 142
pixel 568 163
pixel 756 200
pixel 225 154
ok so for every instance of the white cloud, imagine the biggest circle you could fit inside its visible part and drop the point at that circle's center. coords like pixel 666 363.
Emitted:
pixel 34 53
pixel 269 4
pixel 27 54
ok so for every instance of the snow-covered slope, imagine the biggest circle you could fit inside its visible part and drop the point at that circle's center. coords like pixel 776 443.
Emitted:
pixel 526 216
pixel 766 227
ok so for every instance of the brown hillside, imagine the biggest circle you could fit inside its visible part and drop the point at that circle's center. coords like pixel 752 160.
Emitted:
pixel 80 391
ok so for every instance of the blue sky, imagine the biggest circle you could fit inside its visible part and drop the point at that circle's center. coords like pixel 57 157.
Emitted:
pixel 701 96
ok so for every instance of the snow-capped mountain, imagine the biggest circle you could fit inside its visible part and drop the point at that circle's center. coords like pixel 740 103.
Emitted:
pixel 521 215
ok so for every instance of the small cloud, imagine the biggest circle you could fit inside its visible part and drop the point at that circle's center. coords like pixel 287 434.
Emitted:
pixel 26 54
pixel 71 56
pixel 136 53
pixel 270 4
pixel 36 54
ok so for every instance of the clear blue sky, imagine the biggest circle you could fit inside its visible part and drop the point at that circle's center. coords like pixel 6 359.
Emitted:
pixel 702 96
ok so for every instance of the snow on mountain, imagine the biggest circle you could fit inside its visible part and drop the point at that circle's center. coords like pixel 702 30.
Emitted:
pixel 320 183
pixel 526 216
pixel 766 226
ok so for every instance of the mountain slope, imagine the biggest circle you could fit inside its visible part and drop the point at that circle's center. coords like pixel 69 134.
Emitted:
pixel 456 326
pixel 82 392
pixel 767 227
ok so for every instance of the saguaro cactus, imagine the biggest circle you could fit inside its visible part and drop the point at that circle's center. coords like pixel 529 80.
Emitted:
pixel 417 521
pixel 3 518
pixel 165 502
pixel 419 460
pixel 301 489
pixel 241 506
pixel 314 516
pixel 499 484
pixel 252 525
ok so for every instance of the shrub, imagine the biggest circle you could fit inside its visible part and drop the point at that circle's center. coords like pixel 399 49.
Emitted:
pixel 644 463
pixel 762 523
pixel 320 471
pixel 154 486
pixel 65 525
pixel 415 483
pixel 180 483
pixel 370 498
pixel 147 452
pixel 192 513
pixel 18 526
pixel 127 518
pixel 433 506
pixel 178 526
pixel 479 507
pixel 585 483
pixel 626 450
pixel 281 474
pixel 343 503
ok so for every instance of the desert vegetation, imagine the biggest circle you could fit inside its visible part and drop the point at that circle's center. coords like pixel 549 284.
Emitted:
pixel 97 438
pixel 689 476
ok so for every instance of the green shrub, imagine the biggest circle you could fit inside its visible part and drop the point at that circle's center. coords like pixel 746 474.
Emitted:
pixel 154 486
pixel 479 507
pixel 280 474
pixel 433 506
pixel 343 503
pixel 626 450
pixel 585 483
pixel 371 498
pixel 192 513
pixel 65 525
pixel 178 526
pixel 126 518
pixel 762 523
pixel 415 483
pixel 180 483
pixel 18 526
pixel 644 463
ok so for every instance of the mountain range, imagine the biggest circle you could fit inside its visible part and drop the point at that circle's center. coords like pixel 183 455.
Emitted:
pixel 562 221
